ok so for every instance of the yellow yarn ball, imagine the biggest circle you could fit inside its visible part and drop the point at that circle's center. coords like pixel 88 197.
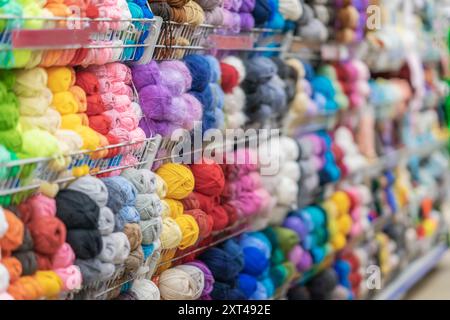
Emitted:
pixel 176 208
pixel 429 225
pixel 338 241
pixel 164 261
pixel 345 224
pixel 189 229
pixel 50 283
pixel 71 122
pixel 333 227
pixel 180 180
pixel 342 202
pixel 91 140
pixel 60 79
pixel 171 234
pixel 65 102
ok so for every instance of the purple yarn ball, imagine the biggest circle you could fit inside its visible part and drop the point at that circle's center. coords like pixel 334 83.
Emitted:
pixel 174 81
pixel 146 74
pixel 296 224
pixel 247 21
pixel 194 111
pixel 305 262
pixel 180 66
pixel 247 6
pixel 153 127
pixel 155 101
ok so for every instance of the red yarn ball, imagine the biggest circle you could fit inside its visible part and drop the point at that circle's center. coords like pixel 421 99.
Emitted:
pixel 230 77
pixel 191 202
pixel 48 233
pixel 220 217
pixel 205 203
pixel 209 178
pixel 205 222
pixel 43 261
pixel 231 212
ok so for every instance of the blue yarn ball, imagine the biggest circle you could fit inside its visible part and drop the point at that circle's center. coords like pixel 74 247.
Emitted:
pixel 249 240
pixel 215 71
pixel 342 268
pixel 233 248
pixel 310 74
pixel 129 215
pixel 222 265
pixel 324 86
pixel 260 292
pixel 247 284
pixel 208 120
pixel 200 71
pixel 218 96
pixel 223 291
pixel 261 12
pixel 121 193
pixel 268 285
pixel 318 254
pixel 219 119
pixel 255 261
pixel 205 97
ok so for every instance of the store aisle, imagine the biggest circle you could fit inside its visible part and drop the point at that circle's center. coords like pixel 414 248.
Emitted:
pixel 436 285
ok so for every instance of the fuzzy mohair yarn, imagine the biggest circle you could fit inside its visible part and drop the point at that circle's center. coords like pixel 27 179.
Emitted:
pixel 77 210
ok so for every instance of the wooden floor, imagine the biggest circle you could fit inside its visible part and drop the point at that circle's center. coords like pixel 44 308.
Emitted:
pixel 436 285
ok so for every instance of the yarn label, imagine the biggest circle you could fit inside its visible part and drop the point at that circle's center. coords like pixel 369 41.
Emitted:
pixel 231 42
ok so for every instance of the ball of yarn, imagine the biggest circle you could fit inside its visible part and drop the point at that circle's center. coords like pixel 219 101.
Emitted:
pixel 142 179
pixel 189 230
pixel 180 180
pixel 48 233
pixel 148 205
pixel 223 291
pixel 94 270
pixel 134 235
pixel 204 221
pixel 106 221
pixel 86 244
pixel 77 210
pixel 145 290
pixel 28 261
pixel 184 282
pixel 71 278
pixel 121 193
pixel 171 234
pixel 92 187
pixel 255 261
pixel 221 264
pixel 151 230
pixel 200 71
pixel 13 271
pixel 145 75
pixel 134 261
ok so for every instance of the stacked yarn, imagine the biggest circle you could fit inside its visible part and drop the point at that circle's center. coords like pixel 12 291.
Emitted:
pixel 69 100
pixel 10 135
pixel 233 73
pixel 315 240
pixel 244 190
pixel 166 105
pixel 213 10
pixel 84 208
pixel 106 52
pixel 180 229
pixel 284 184
pixel 225 262
pixel 38 262
pixel 312 26
pixel 37 119
pixel 346 152
pixel 110 107
pixel 266 98
pixel 206 73
pixel 348 270
pixel 232 17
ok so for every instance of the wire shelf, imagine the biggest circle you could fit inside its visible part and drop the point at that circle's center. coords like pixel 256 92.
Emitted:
pixel 19 178
pixel 177 40
pixel 107 40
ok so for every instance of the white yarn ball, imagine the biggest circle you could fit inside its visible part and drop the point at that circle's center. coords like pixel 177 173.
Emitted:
pixel 109 249
pixel 235 120
pixel 122 247
pixel 196 274
pixel 270 183
pixel 4 278
pixel 290 148
pixel 290 9
pixel 238 65
pixel 307 148
pixel 3 223
pixel 234 101
pixel 287 191
pixel 176 284
pixel 145 290
pixel 291 169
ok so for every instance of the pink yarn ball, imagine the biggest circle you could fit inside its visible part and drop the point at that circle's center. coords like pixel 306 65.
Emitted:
pixel 64 257
pixel 71 277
